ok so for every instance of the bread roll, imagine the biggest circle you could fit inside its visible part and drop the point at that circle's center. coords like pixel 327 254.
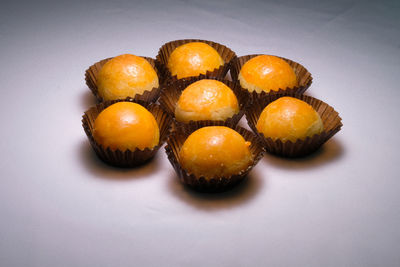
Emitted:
pixel 125 76
pixel 266 73
pixel 215 152
pixel 289 119
pixel 206 100
pixel 193 59
pixel 126 125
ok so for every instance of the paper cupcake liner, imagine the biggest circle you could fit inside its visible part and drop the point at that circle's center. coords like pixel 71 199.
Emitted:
pixel 330 118
pixel 174 144
pixel 126 158
pixel 170 94
pixel 303 76
pixel 92 73
pixel 226 53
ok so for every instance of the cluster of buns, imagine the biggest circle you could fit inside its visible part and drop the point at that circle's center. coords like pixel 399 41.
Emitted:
pixel 211 152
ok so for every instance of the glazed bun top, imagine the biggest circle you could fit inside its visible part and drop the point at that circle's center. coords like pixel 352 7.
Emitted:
pixel 206 100
pixel 215 152
pixel 266 73
pixel 289 119
pixel 126 125
pixel 125 76
pixel 193 59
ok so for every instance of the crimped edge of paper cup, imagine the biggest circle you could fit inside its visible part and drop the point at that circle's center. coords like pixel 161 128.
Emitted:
pixel 171 92
pixel 127 158
pixel 174 144
pixel 330 118
pixel 304 77
pixel 92 73
pixel 225 52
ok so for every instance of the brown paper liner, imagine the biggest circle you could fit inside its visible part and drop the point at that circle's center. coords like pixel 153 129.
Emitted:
pixel 303 76
pixel 170 94
pixel 165 51
pixel 330 118
pixel 174 144
pixel 126 158
pixel 92 73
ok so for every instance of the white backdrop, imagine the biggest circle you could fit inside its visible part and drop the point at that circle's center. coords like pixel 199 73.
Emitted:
pixel 61 206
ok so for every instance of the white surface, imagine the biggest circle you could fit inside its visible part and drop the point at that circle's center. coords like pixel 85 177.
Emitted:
pixel 61 206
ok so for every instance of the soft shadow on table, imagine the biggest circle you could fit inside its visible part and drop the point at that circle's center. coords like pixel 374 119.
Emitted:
pixel 87 99
pixel 239 195
pixel 99 169
pixel 331 151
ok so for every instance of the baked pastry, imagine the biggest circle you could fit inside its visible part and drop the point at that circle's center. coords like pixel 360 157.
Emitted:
pixel 215 152
pixel 266 73
pixel 193 59
pixel 289 119
pixel 206 100
pixel 126 125
pixel 125 76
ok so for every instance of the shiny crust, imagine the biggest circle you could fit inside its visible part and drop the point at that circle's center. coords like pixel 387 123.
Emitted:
pixel 330 118
pixel 126 76
pixel 289 118
pixel 92 73
pixel 215 151
pixel 171 92
pixel 206 100
pixel 166 49
pixel 193 59
pixel 126 125
pixel 304 77
pixel 127 158
pixel 215 184
pixel 266 73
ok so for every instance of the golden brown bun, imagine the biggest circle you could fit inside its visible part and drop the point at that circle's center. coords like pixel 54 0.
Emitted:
pixel 289 119
pixel 266 73
pixel 215 152
pixel 193 59
pixel 125 76
pixel 126 125
pixel 206 100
